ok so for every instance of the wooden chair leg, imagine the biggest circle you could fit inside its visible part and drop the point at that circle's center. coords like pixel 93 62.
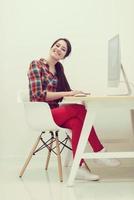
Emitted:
pixel 69 158
pixel 49 154
pixel 29 157
pixel 59 159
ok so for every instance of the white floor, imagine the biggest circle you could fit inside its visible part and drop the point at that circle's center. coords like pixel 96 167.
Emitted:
pixel 37 184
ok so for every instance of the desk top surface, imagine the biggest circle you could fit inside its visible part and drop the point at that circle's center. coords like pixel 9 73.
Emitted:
pixel 93 97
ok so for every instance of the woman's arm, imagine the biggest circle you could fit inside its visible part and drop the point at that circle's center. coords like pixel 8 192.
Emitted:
pixel 35 84
pixel 57 95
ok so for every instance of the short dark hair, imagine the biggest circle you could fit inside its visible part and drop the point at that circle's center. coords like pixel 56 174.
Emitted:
pixel 69 47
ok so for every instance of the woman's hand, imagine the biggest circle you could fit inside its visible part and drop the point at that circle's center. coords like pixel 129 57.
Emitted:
pixel 74 92
pixel 50 96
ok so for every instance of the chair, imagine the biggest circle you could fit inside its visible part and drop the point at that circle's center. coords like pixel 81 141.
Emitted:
pixel 39 118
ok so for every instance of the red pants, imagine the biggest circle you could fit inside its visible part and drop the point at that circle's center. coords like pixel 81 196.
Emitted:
pixel 72 116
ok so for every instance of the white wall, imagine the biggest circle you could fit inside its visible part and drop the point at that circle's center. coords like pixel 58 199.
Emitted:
pixel 29 27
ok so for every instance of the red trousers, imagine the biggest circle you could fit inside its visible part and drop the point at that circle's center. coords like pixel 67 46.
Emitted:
pixel 72 116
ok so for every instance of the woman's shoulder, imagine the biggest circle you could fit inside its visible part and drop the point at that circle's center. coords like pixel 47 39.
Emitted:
pixel 43 60
pixel 38 63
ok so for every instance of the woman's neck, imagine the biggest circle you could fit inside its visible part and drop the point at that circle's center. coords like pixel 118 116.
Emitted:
pixel 51 62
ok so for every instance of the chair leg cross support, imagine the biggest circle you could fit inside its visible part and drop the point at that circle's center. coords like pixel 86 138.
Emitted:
pixel 49 145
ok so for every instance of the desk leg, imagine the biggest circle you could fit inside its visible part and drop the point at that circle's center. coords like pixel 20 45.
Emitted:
pixel 88 123
pixel 132 119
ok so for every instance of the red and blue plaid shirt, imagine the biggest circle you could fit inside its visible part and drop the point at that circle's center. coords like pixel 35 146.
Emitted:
pixel 40 81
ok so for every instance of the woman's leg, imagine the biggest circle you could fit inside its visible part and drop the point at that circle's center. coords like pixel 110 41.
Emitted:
pixel 72 116
pixel 93 138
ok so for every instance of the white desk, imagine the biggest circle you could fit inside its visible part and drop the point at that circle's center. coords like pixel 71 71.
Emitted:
pixel 93 104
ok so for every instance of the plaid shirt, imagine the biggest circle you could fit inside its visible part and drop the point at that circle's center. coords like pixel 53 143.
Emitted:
pixel 40 81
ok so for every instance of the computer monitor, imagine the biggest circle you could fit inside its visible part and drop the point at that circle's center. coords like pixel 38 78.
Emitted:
pixel 114 65
pixel 114 61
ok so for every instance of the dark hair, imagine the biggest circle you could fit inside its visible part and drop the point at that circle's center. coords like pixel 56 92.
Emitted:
pixel 69 48
pixel 63 84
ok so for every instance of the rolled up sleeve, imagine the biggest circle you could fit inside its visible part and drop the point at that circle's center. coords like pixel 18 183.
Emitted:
pixel 37 93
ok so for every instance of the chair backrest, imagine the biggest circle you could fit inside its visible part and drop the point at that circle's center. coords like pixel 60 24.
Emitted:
pixel 38 114
pixel 23 96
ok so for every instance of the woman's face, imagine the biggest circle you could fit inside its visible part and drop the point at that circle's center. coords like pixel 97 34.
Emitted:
pixel 59 50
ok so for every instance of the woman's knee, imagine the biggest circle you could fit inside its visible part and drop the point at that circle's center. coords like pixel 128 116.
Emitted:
pixel 82 111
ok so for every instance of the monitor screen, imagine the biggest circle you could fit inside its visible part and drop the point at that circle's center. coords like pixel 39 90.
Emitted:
pixel 114 62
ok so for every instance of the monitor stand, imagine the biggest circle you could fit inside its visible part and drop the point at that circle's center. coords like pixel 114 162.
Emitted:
pixel 129 91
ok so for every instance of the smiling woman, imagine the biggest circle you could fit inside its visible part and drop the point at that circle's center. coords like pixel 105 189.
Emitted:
pixel 59 50
pixel 48 83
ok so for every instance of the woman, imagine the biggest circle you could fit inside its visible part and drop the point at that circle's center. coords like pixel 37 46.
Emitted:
pixel 48 83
